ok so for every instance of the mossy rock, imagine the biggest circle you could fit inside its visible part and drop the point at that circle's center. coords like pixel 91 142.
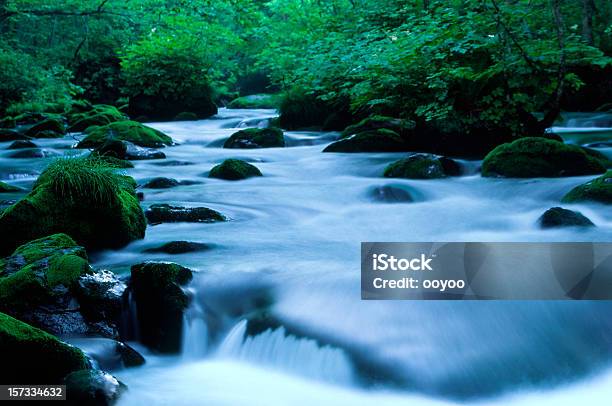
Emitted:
pixel 93 387
pixel 98 115
pixel 49 128
pixel 381 140
pixel 113 162
pixel 165 213
pixel 534 157
pixel 417 166
pixel 160 303
pixel 597 190
pixel 6 188
pixel 31 356
pixel 11 135
pixel 82 197
pixel 256 101
pixel 559 217
pixel 161 183
pixel 35 269
pixel 179 247
pixel 401 127
pixel 234 169
pixel 256 138
pixel 131 131
pixel 186 116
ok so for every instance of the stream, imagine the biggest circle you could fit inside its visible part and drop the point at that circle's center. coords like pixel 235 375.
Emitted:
pixel 293 244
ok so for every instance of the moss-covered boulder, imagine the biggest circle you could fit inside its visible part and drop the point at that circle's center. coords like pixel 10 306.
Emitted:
pixel 381 140
pixel 93 387
pixel 255 101
pixel 401 127
pixel 234 169
pixel 419 166
pixel 131 131
pixel 165 213
pixel 84 198
pixel 6 188
pixel 559 217
pixel 160 303
pixel 256 138
pixel 597 190
pixel 31 356
pixel 49 128
pixel 97 115
pixel 533 157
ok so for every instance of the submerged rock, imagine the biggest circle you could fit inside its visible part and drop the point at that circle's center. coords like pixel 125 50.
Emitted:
pixel 11 135
pixel 597 190
pixel 33 153
pixel 381 140
pixel 6 188
pixel 421 166
pixel 21 144
pixel 256 138
pixel 160 303
pixel 559 217
pixel 372 123
pixel 165 213
pixel 131 131
pixel 234 169
pixel 83 198
pixel 161 183
pixel 49 128
pixel 534 157
pixel 179 247
pixel 31 356
pixel 93 387
pixel 390 194
pixel 97 115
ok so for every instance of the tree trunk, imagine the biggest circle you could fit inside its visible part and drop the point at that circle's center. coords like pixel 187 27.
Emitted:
pixel 588 10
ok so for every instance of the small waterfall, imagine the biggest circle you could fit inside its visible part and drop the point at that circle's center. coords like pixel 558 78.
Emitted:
pixel 129 319
pixel 280 350
pixel 195 332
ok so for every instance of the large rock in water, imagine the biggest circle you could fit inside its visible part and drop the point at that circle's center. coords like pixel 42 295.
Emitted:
pixel 559 217
pixel 31 356
pixel 64 295
pixel 165 213
pixel 49 128
pixel 83 198
pixel 534 157
pixel 422 166
pixel 597 190
pixel 234 169
pixel 131 131
pixel 380 140
pixel 256 138
pixel 160 303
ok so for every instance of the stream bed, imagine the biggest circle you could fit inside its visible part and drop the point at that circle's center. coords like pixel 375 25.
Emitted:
pixel 293 242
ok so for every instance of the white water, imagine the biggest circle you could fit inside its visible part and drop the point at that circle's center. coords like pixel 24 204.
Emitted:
pixel 294 241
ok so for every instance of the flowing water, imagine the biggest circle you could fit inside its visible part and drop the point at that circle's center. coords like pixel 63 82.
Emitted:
pixel 293 247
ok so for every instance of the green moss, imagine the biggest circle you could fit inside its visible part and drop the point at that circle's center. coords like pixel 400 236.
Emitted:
pixel 48 128
pixel 80 197
pixel 418 166
pixel 98 115
pixel 256 138
pixel 31 356
pixel 596 190
pixel 66 270
pixel 381 140
pixel 131 131
pixel 6 188
pixel 533 157
pixel 45 246
pixel 401 127
pixel 256 101
pixel 234 169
